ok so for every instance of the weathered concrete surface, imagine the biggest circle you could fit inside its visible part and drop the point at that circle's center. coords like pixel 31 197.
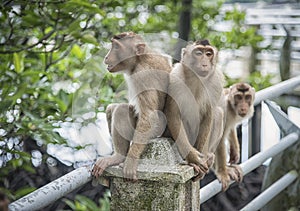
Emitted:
pixel 279 166
pixel 164 183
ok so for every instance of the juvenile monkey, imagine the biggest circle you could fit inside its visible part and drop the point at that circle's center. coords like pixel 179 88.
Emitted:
pixel 132 125
pixel 238 106
pixel 195 90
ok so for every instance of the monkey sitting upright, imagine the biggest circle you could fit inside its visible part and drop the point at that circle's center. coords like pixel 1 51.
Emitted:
pixel 133 125
pixel 195 89
pixel 238 106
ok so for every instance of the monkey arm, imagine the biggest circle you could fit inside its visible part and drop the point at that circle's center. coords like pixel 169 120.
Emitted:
pixel 234 146
pixel 176 128
pixel 226 172
pixel 205 130
pixel 179 135
pixel 221 166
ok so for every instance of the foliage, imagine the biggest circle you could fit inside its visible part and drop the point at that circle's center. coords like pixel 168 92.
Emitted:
pixel 51 58
pixel 255 79
pixel 238 35
pixel 82 203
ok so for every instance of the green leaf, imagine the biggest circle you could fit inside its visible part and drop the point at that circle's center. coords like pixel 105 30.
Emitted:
pixel 24 191
pixel 77 51
pixel 18 62
pixel 89 38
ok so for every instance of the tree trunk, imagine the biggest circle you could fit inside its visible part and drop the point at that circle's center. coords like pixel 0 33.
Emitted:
pixel 184 27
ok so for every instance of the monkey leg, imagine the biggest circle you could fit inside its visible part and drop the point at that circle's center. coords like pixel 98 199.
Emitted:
pixel 217 131
pixel 234 152
pixel 225 172
pixel 193 157
pixel 150 124
pixel 221 167
pixel 204 131
pixel 109 113
pixel 121 122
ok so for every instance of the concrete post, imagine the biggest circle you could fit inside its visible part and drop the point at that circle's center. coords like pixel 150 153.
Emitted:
pixel 163 182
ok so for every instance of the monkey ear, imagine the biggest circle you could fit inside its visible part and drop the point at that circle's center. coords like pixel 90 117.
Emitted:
pixel 183 51
pixel 117 43
pixel 140 49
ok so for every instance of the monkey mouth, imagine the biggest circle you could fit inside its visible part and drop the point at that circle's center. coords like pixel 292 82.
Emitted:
pixel 110 67
pixel 242 114
pixel 203 73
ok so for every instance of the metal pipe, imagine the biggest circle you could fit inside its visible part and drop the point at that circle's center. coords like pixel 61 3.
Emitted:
pixel 52 191
pixel 267 195
pixel 277 90
pixel 215 186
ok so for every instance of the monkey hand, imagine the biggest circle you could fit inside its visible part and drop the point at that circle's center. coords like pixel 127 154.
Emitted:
pixel 130 169
pixel 235 172
pixel 102 163
pixel 200 162
pixel 232 172
pixel 224 178
pixel 234 156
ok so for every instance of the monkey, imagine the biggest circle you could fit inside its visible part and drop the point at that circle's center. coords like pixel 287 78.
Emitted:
pixel 239 99
pixel 132 124
pixel 195 89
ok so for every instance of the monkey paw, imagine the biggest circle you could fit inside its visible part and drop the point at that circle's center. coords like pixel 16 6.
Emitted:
pixel 235 172
pixel 130 169
pixel 201 163
pixel 232 172
pixel 224 178
pixel 102 163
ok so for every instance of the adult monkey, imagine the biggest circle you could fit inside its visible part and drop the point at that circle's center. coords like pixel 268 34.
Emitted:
pixel 238 106
pixel 147 77
pixel 195 91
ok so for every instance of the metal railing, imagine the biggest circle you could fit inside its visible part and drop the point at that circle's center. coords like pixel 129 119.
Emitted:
pixel 69 182
pixel 54 190
pixel 255 161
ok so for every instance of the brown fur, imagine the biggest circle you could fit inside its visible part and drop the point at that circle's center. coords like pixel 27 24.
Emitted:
pixel 147 77
pixel 236 110
pixel 194 93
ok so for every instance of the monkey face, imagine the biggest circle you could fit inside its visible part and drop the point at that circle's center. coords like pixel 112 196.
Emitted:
pixel 242 103
pixel 203 57
pixel 199 59
pixel 241 98
pixel 122 55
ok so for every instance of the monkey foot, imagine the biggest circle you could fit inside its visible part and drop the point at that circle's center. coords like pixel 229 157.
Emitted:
pixel 102 163
pixel 224 178
pixel 235 172
pixel 232 172
pixel 203 168
pixel 130 169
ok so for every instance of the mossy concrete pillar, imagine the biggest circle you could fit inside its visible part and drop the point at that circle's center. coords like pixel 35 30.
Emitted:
pixel 164 183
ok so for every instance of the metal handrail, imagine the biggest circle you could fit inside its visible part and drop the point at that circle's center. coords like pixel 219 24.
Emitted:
pixel 215 186
pixel 277 90
pixel 52 191
pixel 267 195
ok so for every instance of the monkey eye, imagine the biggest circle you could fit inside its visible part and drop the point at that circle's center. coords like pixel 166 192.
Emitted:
pixel 209 53
pixel 248 97
pixel 238 97
pixel 198 52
